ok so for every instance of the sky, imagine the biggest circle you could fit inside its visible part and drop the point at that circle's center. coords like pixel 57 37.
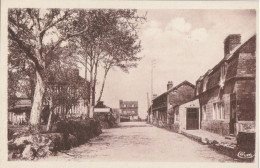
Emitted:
pixel 183 43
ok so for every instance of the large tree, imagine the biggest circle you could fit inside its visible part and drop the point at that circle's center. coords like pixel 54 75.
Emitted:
pixel 110 41
pixel 37 33
pixel 21 75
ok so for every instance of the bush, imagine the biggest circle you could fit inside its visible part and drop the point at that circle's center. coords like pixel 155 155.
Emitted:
pixel 67 134
pixel 10 134
pixel 82 130
pixel 106 121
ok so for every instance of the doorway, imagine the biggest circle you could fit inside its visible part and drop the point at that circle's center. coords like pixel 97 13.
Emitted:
pixel 192 122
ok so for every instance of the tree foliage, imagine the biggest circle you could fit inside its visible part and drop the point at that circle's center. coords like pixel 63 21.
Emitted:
pixel 110 41
pixel 48 40
pixel 38 33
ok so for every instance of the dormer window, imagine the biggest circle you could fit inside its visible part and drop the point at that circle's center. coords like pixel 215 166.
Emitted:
pixel 197 88
pixel 205 82
pixel 223 73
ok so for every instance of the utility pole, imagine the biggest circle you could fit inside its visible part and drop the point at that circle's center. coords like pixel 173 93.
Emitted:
pixel 148 105
pixel 153 65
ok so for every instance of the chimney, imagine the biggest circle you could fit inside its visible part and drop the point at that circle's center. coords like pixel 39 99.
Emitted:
pixel 231 42
pixel 154 96
pixel 169 85
pixel 120 103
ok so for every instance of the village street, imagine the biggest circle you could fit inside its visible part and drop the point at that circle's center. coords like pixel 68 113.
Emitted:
pixel 138 141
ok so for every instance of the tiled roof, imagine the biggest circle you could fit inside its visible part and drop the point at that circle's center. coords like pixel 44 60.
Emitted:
pixel 176 87
pixel 232 54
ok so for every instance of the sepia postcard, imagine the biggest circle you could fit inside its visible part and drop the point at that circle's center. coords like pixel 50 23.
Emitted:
pixel 129 83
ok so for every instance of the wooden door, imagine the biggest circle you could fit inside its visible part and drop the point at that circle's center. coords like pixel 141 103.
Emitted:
pixel 192 118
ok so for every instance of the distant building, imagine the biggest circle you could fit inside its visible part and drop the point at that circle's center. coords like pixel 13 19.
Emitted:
pixel 102 112
pixel 129 110
pixel 227 92
pixel 102 109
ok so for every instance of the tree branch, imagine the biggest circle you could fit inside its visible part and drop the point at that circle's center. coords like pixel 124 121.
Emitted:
pixel 103 83
pixel 26 49
pixel 63 39
pixel 50 24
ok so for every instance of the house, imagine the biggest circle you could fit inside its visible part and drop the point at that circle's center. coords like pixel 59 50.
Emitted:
pixel 68 99
pixel 69 93
pixel 102 111
pixel 226 92
pixel 20 112
pixel 162 104
pixel 129 110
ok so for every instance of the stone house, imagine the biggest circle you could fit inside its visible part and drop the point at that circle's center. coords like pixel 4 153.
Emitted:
pixel 162 115
pixel 128 110
pixel 227 92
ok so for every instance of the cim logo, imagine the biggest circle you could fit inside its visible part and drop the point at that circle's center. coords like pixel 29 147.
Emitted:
pixel 244 155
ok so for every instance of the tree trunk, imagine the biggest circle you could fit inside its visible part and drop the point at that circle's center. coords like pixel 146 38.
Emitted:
pixel 102 88
pixel 49 124
pixel 94 84
pixel 86 69
pixel 37 105
pixel 86 78
pixel 91 109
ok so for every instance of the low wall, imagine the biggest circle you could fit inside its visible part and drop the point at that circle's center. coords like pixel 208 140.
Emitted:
pixel 219 127
pixel 245 126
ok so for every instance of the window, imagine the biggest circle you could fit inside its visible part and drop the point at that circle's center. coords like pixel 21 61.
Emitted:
pixel 133 105
pixel 218 111
pixel 204 117
pixel 205 82
pixel 177 116
pixel 197 88
pixel 124 105
pixel 223 74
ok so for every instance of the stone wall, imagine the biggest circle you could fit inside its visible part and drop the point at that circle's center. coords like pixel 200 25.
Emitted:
pixel 216 126
pixel 245 96
pixel 245 126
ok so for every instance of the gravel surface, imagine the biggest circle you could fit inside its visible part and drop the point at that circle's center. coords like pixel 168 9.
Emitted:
pixel 138 141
